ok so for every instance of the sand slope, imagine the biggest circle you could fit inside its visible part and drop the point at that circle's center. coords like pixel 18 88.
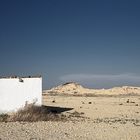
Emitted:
pixel 75 89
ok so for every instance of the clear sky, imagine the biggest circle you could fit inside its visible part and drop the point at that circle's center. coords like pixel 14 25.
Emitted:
pixel 93 42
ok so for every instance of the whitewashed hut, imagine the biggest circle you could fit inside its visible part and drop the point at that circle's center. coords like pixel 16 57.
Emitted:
pixel 16 91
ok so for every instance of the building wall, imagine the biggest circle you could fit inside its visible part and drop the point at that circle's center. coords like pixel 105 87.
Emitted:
pixel 14 92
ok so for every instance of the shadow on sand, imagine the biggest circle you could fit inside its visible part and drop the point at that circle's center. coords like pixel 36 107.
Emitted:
pixel 54 109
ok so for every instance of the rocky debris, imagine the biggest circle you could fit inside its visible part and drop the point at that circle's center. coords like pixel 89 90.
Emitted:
pixel 69 130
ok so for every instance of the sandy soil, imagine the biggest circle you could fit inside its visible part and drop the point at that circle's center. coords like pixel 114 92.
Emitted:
pixel 98 118
pixel 98 107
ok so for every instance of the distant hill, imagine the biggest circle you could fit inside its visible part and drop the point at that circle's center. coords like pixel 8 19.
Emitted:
pixel 73 88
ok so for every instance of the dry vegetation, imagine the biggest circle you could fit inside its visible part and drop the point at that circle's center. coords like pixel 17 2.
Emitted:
pixel 32 113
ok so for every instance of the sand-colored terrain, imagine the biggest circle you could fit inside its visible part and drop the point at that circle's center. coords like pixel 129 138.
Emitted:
pixel 99 117
pixel 76 89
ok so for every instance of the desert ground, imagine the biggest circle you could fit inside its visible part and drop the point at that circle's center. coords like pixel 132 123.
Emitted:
pixel 88 118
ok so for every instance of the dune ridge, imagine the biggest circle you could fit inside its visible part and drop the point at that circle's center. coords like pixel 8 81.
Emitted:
pixel 73 88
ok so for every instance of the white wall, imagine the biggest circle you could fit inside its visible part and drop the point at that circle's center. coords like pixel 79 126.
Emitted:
pixel 14 94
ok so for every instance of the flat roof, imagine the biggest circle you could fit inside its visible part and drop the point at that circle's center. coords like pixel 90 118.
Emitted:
pixel 10 77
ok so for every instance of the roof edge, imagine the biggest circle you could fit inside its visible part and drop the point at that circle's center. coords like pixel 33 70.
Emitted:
pixel 15 76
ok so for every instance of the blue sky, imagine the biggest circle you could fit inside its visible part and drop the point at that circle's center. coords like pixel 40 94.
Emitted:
pixel 93 42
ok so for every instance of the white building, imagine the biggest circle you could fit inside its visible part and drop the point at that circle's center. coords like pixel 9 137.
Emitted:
pixel 15 92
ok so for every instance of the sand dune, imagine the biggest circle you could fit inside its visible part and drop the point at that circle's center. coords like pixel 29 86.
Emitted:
pixel 76 89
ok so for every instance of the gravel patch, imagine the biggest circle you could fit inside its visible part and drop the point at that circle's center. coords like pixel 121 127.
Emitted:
pixel 68 131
